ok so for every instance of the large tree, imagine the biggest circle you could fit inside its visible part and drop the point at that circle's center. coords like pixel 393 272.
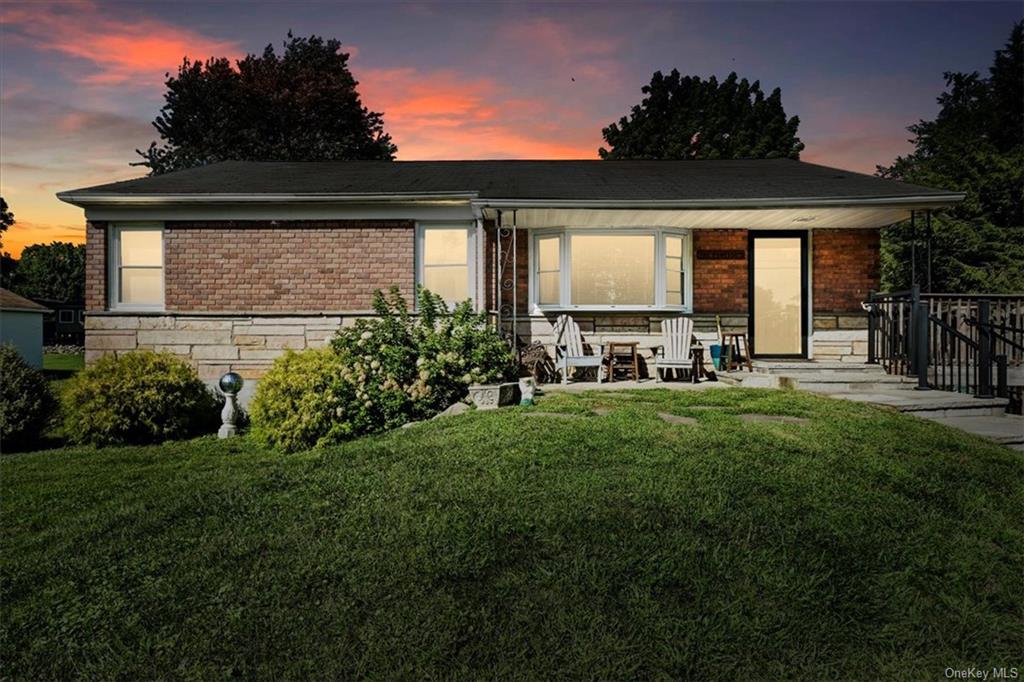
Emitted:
pixel 298 106
pixel 686 117
pixel 54 271
pixel 975 145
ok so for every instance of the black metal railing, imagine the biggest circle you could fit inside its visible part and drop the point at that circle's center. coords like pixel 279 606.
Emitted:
pixel 965 344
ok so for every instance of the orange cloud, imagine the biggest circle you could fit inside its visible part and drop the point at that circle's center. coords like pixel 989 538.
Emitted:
pixel 445 115
pixel 23 234
pixel 119 50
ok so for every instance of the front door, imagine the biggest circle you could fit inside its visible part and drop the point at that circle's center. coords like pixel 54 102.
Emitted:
pixel 778 294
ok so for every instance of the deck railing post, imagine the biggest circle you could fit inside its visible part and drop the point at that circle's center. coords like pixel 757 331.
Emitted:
pixel 984 351
pixel 1002 390
pixel 872 329
pixel 921 345
pixel 911 330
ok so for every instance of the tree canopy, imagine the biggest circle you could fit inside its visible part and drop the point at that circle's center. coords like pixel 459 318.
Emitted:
pixel 54 271
pixel 6 220
pixel 975 145
pixel 300 105
pixel 686 117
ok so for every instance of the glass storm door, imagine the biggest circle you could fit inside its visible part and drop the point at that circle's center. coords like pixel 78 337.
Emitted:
pixel 778 278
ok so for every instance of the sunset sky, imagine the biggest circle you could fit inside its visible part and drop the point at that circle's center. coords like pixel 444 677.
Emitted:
pixel 80 82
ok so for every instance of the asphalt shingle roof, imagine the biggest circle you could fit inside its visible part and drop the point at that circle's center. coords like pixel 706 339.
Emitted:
pixel 11 301
pixel 525 180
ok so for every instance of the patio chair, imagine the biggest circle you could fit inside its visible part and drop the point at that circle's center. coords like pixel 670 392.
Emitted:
pixel 570 351
pixel 674 351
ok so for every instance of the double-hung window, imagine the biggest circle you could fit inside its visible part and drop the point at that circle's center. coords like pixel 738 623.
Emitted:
pixel 136 267
pixel 445 260
pixel 610 269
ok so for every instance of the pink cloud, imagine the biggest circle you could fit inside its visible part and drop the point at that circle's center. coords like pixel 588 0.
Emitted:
pixel 446 115
pixel 118 50
pixel 835 134
pixel 558 41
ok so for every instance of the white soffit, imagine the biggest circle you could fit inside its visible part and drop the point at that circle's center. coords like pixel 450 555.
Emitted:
pixel 754 219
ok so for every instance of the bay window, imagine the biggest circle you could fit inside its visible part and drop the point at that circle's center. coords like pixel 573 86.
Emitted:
pixel 136 267
pixel 445 261
pixel 608 269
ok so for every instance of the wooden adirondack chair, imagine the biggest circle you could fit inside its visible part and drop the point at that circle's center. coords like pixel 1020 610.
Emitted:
pixel 570 351
pixel 674 351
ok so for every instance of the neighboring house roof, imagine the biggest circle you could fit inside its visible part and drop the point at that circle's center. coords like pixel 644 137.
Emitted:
pixel 11 302
pixel 700 182
pixel 54 303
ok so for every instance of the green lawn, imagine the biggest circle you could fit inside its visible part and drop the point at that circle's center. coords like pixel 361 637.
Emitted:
pixel 860 545
pixel 64 362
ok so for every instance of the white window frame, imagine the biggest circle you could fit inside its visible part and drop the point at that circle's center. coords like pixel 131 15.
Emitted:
pixel 565 269
pixel 471 265
pixel 114 266
pixel 70 318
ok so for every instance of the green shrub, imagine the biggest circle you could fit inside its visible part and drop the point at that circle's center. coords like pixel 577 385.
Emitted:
pixel 303 401
pixel 140 397
pixel 26 402
pixel 379 374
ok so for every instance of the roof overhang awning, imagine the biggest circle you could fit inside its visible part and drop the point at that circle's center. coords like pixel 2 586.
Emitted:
pixel 862 213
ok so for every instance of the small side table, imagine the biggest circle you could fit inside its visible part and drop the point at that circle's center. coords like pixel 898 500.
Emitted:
pixel 730 341
pixel 625 349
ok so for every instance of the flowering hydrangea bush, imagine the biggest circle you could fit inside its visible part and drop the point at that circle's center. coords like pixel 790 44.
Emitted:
pixel 382 372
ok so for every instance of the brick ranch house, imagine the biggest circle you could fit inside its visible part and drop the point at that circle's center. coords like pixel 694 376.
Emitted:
pixel 231 263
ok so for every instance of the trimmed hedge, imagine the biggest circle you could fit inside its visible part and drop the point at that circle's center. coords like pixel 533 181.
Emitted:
pixel 139 397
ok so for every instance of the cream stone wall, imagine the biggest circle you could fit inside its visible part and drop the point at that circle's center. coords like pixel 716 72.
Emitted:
pixel 247 344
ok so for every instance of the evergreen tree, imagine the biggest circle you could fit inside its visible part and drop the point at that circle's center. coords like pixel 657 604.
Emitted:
pixel 300 106
pixel 690 118
pixel 975 145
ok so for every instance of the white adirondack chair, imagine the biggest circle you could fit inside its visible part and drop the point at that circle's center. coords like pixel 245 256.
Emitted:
pixel 570 351
pixel 674 351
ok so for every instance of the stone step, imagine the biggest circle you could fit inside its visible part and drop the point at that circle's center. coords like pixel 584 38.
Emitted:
pixel 1006 429
pixel 817 381
pixel 814 366
pixel 930 403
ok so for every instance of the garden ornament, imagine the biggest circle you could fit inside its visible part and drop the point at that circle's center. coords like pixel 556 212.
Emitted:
pixel 230 384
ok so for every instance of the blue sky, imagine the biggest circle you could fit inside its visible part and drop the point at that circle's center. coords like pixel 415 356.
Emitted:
pixel 80 81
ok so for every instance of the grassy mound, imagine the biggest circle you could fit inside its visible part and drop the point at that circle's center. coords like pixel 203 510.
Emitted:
pixel 609 544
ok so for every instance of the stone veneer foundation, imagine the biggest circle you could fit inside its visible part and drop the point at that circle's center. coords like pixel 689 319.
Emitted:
pixel 214 344
pixel 249 344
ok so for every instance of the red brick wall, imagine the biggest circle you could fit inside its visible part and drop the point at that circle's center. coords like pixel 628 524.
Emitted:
pixel 291 266
pixel 719 285
pixel 522 265
pixel 95 266
pixel 846 266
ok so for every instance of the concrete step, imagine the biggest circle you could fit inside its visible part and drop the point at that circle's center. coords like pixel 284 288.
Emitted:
pixel 1006 429
pixel 930 403
pixel 813 366
pixel 825 381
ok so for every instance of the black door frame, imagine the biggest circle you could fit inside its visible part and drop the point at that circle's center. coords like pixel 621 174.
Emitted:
pixel 804 281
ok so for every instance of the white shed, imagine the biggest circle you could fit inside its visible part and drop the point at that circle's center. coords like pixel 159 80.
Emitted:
pixel 21 325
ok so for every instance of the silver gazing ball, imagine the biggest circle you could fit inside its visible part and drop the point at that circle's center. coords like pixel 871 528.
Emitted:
pixel 231 383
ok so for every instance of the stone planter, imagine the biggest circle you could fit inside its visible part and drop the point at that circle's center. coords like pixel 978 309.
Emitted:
pixel 492 396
